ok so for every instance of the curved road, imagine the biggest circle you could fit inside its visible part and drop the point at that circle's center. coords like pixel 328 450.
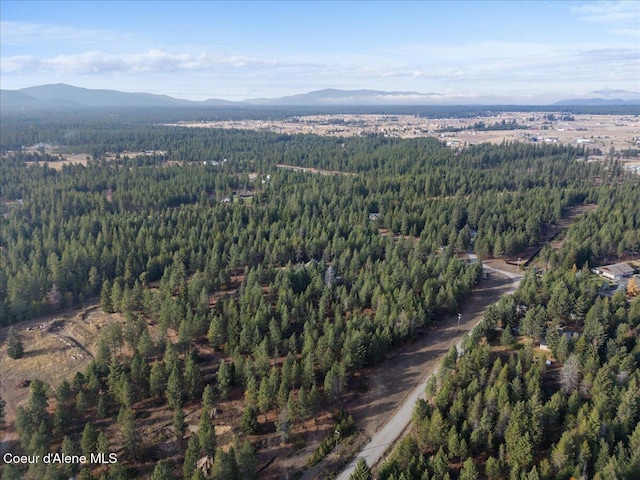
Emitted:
pixel 386 437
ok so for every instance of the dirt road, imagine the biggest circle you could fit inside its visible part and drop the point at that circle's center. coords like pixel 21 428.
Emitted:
pixel 394 414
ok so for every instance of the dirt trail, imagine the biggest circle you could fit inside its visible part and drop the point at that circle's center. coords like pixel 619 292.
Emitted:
pixel 384 411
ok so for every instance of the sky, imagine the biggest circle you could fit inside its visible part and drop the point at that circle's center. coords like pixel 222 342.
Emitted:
pixel 496 52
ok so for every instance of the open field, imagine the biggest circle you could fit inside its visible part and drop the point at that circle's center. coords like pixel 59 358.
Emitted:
pixel 313 170
pixel 64 158
pixel 597 131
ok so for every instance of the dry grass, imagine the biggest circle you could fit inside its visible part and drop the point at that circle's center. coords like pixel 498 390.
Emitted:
pixel 51 354
pixel 605 131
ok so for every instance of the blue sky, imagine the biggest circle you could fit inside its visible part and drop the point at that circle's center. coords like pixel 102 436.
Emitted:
pixel 521 52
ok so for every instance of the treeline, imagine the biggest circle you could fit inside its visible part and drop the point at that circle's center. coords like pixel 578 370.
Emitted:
pixel 483 127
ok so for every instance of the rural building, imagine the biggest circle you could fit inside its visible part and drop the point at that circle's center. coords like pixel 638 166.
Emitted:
pixel 615 272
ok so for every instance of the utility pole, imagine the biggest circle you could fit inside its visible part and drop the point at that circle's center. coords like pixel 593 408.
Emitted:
pixel 459 317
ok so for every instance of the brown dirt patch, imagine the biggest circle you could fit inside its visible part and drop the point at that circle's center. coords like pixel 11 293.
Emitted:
pixel 56 347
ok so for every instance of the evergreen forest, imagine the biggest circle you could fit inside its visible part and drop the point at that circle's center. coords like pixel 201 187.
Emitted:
pixel 238 279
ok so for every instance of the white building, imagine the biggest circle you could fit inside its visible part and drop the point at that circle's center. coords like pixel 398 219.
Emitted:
pixel 615 272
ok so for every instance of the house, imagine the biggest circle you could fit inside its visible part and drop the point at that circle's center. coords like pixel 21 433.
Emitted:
pixel 569 335
pixel 374 216
pixel 615 272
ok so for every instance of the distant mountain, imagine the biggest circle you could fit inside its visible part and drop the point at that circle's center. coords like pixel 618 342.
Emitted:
pixel 599 101
pixel 97 98
pixel 62 95
pixel 332 96
pixel 217 102
pixel 16 99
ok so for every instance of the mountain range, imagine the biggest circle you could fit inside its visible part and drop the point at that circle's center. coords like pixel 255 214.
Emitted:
pixel 61 95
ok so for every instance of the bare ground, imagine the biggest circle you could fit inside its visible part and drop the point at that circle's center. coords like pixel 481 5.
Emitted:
pixel 56 347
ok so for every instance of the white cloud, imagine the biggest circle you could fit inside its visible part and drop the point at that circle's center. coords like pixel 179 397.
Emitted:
pixel 152 61
pixel 622 17
pixel 513 62
pixel 483 67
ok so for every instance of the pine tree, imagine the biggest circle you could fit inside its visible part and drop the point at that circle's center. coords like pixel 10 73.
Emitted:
pixel 265 397
pixel 127 424
pixel 493 468
pixel 469 471
pixel 506 338
pixel 145 344
pixel 103 405
pixel 179 426
pixel 362 471
pixel 192 377
pixel 38 403
pixel 68 447
pixel 246 460
pixel 207 435
pixel 174 388
pixel 302 407
pixel 225 379
pixel 191 457
pixel 39 441
pixel 11 472
pixel 315 404
pixel 89 439
pixel 15 348
pixel 283 425
pixel 116 297
pixel 198 475
pixel 208 398
pixel 249 422
pixel 61 417
pixel 106 302
pixel 162 471
pixel 225 465
pixel 103 445
pixel 157 380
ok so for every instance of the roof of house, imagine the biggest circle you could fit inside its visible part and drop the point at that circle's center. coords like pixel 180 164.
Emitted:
pixel 618 269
